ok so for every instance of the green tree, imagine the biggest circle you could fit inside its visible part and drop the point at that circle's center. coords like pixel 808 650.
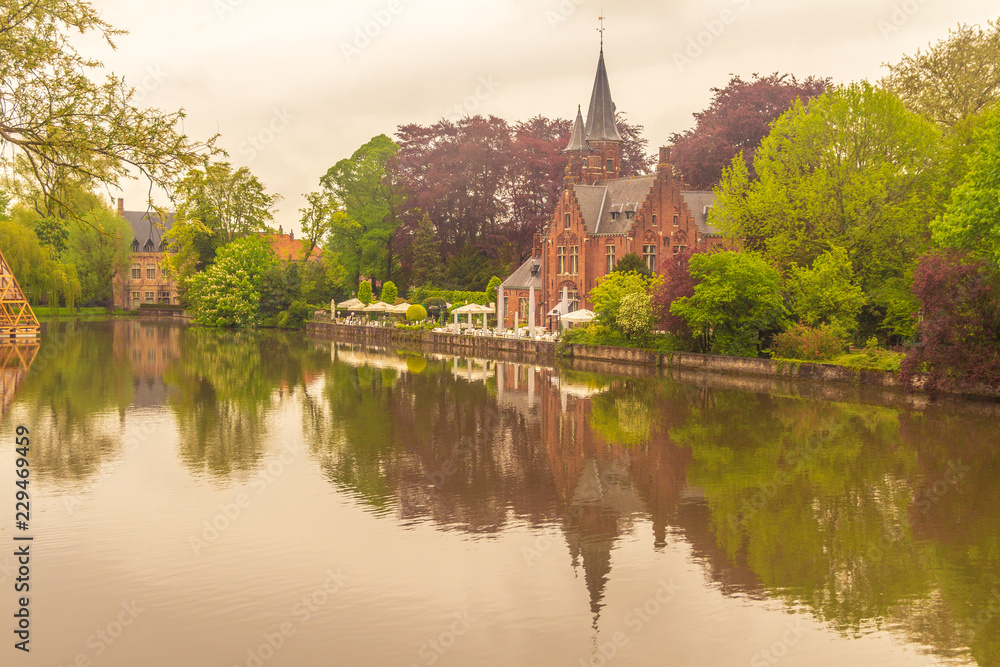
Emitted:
pixel 39 273
pixel 607 295
pixel 425 267
pixel 737 296
pixel 631 262
pixel 635 315
pixel 826 293
pixel 389 292
pixel 231 203
pixel 365 292
pixel 317 220
pixel 416 313
pixel 854 169
pixel 952 80
pixel 491 289
pixel 100 248
pixel 228 293
pixel 366 195
pixel 56 112
pixel 192 246
pixel 972 220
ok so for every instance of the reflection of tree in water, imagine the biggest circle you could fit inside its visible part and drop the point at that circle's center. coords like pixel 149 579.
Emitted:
pixel 223 386
pixel 73 398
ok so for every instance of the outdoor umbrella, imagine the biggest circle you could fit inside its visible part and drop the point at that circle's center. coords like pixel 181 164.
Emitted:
pixel 581 316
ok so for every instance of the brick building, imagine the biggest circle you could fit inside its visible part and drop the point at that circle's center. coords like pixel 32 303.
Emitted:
pixel 146 280
pixel 600 217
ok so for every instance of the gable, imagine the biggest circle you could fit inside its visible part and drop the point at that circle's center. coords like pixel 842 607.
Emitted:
pixel 608 205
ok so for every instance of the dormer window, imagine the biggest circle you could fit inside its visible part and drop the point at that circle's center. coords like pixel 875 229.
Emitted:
pixel 614 215
pixel 149 246
pixel 628 215
pixel 135 245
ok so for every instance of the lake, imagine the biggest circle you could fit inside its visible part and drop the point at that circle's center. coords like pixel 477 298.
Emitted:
pixel 259 498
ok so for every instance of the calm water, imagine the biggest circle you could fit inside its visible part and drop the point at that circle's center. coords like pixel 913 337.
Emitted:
pixel 207 498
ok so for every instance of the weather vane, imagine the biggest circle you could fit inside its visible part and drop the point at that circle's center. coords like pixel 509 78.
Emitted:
pixel 601 29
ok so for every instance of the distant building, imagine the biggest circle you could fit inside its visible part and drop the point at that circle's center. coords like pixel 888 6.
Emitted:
pixel 289 249
pixel 600 217
pixel 146 280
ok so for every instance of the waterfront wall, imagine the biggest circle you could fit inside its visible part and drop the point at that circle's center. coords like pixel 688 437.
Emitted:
pixel 619 359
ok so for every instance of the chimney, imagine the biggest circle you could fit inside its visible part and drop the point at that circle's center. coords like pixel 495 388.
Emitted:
pixel 664 154
pixel 280 230
pixel 291 234
pixel 121 207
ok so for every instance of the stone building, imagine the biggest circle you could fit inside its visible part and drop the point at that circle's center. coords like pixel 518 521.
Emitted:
pixel 601 216
pixel 146 280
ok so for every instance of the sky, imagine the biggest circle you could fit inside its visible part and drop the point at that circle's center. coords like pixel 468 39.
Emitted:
pixel 293 86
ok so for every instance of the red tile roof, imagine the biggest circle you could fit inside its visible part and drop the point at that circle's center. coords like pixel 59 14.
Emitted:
pixel 287 248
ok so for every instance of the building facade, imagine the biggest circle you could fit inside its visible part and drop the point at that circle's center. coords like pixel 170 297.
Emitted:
pixel 601 216
pixel 147 279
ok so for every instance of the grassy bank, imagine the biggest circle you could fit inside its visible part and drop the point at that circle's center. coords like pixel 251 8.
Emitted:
pixel 48 314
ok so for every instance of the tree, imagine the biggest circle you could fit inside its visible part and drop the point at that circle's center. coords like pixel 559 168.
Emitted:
pixel 192 248
pixel 855 169
pixel 231 203
pixel 737 296
pixel 366 194
pixel 317 220
pixel 607 295
pixel 972 220
pixel 826 293
pixel 952 80
pixel 631 262
pixel 677 283
pixel 38 271
pixel 491 288
pixel 227 294
pixel 425 263
pixel 365 293
pixel 56 113
pixel 100 249
pixel 635 315
pixel 736 121
pixel 389 292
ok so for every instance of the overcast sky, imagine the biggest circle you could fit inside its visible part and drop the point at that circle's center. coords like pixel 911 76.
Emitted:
pixel 293 86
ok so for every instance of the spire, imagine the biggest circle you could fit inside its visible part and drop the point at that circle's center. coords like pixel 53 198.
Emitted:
pixel 601 115
pixel 576 139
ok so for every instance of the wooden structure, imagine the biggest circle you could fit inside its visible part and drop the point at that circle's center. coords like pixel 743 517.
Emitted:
pixel 16 317
pixel 16 357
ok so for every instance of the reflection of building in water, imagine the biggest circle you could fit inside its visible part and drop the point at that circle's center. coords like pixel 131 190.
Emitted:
pixel 149 348
pixel 16 357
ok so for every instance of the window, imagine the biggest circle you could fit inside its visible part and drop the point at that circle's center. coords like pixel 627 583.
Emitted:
pixel 629 214
pixel 135 245
pixel 654 219
pixel 522 308
pixel 574 259
pixel 136 272
pixel 561 251
pixel 135 299
pixel 149 297
pixel 675 219
pixel 611 165
pixel 573 297
pixel 649 256
pixel 614 215
pixel 151 272
pixel 569 219
pixel 149 245
pixel 610 253
pixel 679 248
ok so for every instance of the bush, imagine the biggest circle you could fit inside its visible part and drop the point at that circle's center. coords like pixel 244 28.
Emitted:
pixel 635 315
pixel 365 293
pixel 296 316
pixel 807 343
pixel 389 292
pixel 415 313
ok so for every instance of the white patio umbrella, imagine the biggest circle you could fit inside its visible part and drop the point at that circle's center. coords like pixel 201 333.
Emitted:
pixel 377 307
pixel 581 316
pixel 474 309
pixel 352 304
pixel 399 308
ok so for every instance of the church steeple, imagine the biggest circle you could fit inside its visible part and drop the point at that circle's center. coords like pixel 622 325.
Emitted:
pixel 577 142
pixel 601 115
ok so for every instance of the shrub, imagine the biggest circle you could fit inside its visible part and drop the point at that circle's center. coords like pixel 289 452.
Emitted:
pixel 610 290
pixel 365 293
pixel 491 288
pixel 389 292
pixel 415 313
pixel 808 343
pixel 635 315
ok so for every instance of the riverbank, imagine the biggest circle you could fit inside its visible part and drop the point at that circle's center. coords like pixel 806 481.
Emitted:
pixel 670 363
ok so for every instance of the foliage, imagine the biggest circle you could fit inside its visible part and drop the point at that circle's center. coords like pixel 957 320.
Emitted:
pixel 635 315
pixel 872 359
pixel 735 122
pixel 958 339
pixel 632 263
pixel 192 248
pixel 425 254
pixel 389 292
pixel 99 248
pixel 416 313
pixel 855 170
pixel 810 343
pixel 737 296
pixel 39 273
pixel 365 293
pixel 366 195
pixel 232 204
pixel 826 293
pixel 972 220
pixel 296 316
pixel 899 307
pixel 430 297
pixel 228 293
pixel 954 79
pixel 677 283
pixel 317 220
pixel 491 289
pixel 57 115
pixel 277 290
pixel 611 288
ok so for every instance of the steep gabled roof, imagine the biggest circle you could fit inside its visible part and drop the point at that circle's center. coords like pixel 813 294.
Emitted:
pixel 144 228
pixel 526 276
pixel 698 202
pixel 619 196
pixel 601 115
pixel 577 142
